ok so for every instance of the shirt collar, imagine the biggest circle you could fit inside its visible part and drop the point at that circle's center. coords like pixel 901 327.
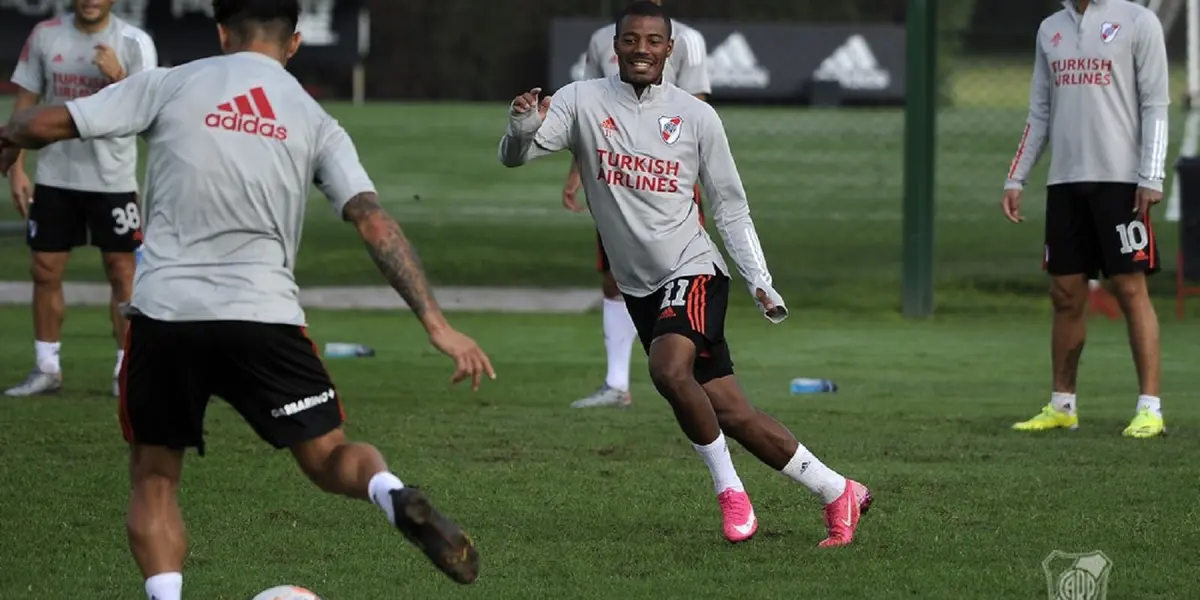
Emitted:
pixel 1070 4
pixel 650 94
pixel 259 57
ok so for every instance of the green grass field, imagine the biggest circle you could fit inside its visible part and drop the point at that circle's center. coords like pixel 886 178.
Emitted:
pixel 614 504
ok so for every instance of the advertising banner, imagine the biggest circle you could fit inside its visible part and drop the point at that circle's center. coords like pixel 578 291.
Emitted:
pixel 770 61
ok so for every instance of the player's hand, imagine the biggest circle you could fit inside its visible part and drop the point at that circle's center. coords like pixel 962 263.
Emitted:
pixel 469 359
pixel 570 193
pixel 530 100
pixel 1012 205
pixel 774 312
pixel 106 59
pixel 22 190
pixel 9 153
pixel 1144 199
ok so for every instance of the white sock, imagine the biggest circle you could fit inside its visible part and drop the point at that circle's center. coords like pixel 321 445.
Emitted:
pixel 1063 402
pixel 165 586
pixel 720 465
pixel 619 334
pixel 382 483
pixel 120 359
pixel 1154 403
pixel 47 356
pixel 810 472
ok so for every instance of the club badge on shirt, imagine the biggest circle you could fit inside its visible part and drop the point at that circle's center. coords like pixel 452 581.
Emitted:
pixel 669 128
pixel 1109 30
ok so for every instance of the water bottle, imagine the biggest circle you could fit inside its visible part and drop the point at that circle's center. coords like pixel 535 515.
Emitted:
pixel 340 350
pixel 801 385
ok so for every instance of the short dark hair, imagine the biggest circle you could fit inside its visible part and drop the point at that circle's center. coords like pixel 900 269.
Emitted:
pixel 644 8
pixel 248 19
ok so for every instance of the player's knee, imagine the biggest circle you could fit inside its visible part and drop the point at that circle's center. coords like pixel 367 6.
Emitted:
pixel 669 377
pixel 119 269
pixel 46 270
pixel 1129 288
pixel 1069 298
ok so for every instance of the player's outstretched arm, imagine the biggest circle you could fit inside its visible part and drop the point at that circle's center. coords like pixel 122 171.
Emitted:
pixel 538 126
pixel 1037 124
pixel 39 126
pixel 398 262
pixel 731 211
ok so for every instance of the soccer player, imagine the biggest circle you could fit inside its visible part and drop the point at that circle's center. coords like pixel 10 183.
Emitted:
pixel 686 68
pixel 82 187
pixel 233 142
pixel 639 176
pixel 1099 98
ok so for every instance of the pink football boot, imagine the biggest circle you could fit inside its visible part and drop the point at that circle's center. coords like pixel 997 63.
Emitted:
pixel 737 515
pixel 841 515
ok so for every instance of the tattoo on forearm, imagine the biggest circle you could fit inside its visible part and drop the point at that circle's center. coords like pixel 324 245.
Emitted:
pixel 391 251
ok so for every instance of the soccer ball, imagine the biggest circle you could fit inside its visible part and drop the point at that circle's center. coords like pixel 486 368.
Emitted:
pixel 286 592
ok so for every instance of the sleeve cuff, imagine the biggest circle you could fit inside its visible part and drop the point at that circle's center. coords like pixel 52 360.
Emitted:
pixel 1013 184
pixel 1151 184
pixel 26 84
pixel 81 123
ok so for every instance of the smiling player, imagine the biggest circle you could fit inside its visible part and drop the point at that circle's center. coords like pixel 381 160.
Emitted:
pixel 687 68
pixel 639 175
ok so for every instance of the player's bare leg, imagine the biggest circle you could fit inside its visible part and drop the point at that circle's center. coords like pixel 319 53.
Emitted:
pixel 358 471
pixel 1142 323
pixel 1069 296
pixel 672 360
pixel 46 270
pixel 118 268
pixel 153 522
pixel 845 500
pixel 619 337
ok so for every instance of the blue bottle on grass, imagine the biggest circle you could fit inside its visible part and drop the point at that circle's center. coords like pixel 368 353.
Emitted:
pixel 801 385
pixel 340 350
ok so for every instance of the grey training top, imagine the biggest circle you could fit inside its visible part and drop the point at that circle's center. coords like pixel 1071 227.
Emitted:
pixel 1099 91
pixel 639 159
pixel 56 64
pixel 232 145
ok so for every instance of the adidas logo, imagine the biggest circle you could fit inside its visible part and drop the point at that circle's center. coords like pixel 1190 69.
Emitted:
pixel 853 65
pixel 240 115
pixel 733 65
pixel 608 127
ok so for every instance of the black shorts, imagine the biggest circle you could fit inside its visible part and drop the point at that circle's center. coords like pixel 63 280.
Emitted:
pixel 271 374
pixel 1091 229
pixel 602 256
pixel 61 219
pixel 694 307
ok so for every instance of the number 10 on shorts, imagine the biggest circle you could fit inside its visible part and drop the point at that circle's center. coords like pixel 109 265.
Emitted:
pixel 1134 237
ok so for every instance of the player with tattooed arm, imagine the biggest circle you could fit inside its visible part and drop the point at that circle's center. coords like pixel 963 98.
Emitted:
pixel 233 143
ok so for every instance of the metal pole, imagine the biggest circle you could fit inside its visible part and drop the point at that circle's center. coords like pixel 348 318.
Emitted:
pixel 919 153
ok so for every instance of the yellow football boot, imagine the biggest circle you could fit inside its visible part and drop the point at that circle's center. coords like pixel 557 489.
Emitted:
pixel 1049 418
pixel 1145 424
